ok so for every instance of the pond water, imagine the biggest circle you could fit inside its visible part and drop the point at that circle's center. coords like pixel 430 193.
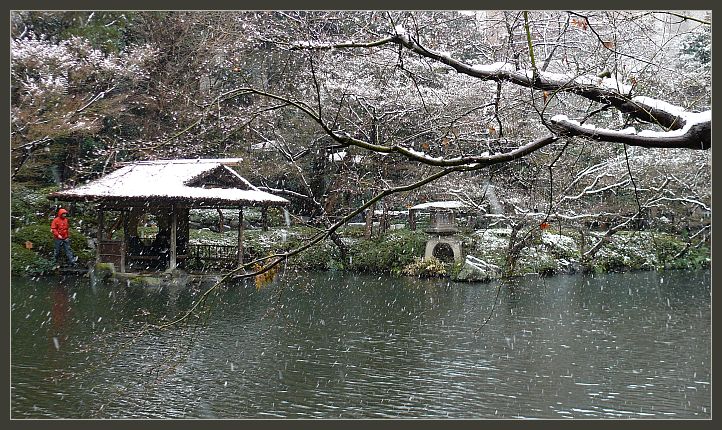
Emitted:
pixel 631 345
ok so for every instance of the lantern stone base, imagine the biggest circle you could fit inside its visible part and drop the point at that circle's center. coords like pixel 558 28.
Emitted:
pixel 453 242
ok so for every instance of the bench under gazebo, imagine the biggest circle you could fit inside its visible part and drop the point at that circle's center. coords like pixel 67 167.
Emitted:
pixel 167 190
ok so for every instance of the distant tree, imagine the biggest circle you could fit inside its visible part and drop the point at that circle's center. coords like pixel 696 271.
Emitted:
pixel 65 94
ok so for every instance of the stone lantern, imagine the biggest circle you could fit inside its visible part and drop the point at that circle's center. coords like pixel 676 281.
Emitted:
pixel 442 221
pixel 441 229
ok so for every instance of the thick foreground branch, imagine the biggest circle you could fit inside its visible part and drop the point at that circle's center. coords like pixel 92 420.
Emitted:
pixel 692 136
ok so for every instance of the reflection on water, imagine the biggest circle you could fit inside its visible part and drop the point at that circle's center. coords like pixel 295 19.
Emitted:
pixel 633 345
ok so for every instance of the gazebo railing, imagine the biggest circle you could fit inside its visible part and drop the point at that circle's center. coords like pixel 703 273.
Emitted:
pixel 198 256
pixel 206 255
pixel 111 251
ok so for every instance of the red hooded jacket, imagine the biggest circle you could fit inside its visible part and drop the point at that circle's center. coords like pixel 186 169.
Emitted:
pixel 59 226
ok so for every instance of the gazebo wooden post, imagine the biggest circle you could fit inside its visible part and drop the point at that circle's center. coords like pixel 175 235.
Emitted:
pixel 412 219
pixel 264 218
pixel 124 242
pixel 240 236
pixel 221 222
pixel 101 221
pixel 173 237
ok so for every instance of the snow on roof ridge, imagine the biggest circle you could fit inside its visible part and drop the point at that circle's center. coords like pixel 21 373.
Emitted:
pixel 241 178
pixel 224 161
pixel 448 204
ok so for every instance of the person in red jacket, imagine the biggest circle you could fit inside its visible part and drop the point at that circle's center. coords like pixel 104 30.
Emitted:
pixel 60 229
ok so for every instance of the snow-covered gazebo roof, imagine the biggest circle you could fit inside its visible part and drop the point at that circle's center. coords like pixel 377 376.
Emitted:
pixel 197 182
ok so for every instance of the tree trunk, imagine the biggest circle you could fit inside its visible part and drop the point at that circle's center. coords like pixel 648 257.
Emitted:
pixel 370 221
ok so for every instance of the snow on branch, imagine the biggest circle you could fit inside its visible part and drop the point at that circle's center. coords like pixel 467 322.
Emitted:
pixel 590 190
pixel 683 200
pixel 477 161
pixel 304 44
pixel 696 133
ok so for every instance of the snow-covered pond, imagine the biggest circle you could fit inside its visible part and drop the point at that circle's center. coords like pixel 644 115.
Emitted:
pixel 633 345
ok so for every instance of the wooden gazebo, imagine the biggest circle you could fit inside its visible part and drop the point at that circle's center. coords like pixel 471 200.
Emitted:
pixel 167 189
